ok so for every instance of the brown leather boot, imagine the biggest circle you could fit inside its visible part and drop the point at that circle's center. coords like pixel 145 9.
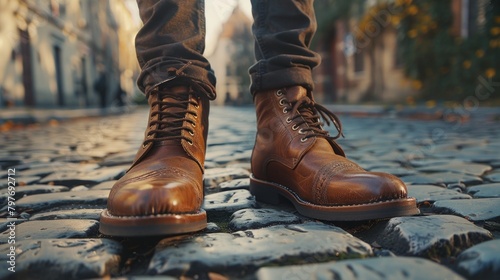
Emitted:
pixel 162 192
pixel 295 158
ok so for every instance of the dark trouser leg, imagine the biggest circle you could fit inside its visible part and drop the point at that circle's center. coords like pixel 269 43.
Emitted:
pixel 283 30
pixel 170 45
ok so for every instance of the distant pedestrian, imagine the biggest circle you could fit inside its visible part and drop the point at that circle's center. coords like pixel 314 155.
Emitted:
pixel 228 100
pixel 101 88
pixel 120 95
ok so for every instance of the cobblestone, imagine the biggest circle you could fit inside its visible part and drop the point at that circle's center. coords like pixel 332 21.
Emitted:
pixel 54 229
pixel 486 190
pixel 481 209
pixel 458 167
pixel 63 258
pixel 481 261
pixel 494 177
pixel 374 269
pixel 92 214
pixel 235 184
pixel 85 177
pixel 258 218
pixel 39 202
pixel 64 174
pixel 246 250
pixel 407 236
pixel 107 185
pixel 215 176
pixel 229 201
pixel 431 193
pixel 442 178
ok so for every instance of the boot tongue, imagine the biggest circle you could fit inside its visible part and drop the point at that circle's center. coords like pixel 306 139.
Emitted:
pixel 293 94
pixel 174 95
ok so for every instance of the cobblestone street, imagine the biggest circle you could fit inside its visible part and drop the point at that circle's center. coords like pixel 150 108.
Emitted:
pixel 63 174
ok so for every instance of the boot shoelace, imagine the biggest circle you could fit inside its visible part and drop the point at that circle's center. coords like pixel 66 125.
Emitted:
pixel 306 111
pixel 171 117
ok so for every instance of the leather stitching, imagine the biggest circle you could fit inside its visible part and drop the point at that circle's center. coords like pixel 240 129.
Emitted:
pixel 327 174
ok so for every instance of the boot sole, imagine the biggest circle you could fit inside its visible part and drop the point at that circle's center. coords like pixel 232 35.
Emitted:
pixel 272 193
pixel 165 224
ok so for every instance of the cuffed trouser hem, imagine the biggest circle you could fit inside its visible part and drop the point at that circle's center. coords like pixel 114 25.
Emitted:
pixel 282 78
pixel 176 72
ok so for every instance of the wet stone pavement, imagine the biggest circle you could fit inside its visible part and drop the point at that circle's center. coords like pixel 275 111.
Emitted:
pixel 63 175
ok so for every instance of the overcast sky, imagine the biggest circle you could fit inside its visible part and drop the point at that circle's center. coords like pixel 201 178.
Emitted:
pixel 217 12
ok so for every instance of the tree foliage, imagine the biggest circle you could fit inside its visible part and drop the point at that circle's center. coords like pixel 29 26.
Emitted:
pixel 441 64
pixel 444 65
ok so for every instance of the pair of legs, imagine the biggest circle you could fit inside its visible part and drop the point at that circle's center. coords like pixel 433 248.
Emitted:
pixel 293 157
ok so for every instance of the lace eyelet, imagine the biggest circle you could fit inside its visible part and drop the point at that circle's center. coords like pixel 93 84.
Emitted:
pixel 189 142
pixel 193 124
pixel 301 131
pixel 285 111
pixel 288 120
pixel 191 133
pixel 279 92
pixel 282 101
pixel 303 139
pixel 144 146
pixel 295 127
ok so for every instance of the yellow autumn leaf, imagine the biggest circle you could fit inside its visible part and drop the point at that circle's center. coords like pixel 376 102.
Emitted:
pixel 412 10
pixel 430 103
pixel 412 33
pixel 490 73
pixel 416 84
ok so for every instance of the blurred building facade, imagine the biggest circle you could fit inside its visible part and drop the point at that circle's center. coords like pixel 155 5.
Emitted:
pixel 360 63
pixel 54 52
pixel 359 44
pixel 231 58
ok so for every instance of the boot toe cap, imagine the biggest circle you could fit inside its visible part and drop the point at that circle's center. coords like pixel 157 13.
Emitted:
pixel 155 197
pixel 364 188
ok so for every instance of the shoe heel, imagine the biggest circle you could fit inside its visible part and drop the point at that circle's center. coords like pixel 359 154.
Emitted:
pixel 264 193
